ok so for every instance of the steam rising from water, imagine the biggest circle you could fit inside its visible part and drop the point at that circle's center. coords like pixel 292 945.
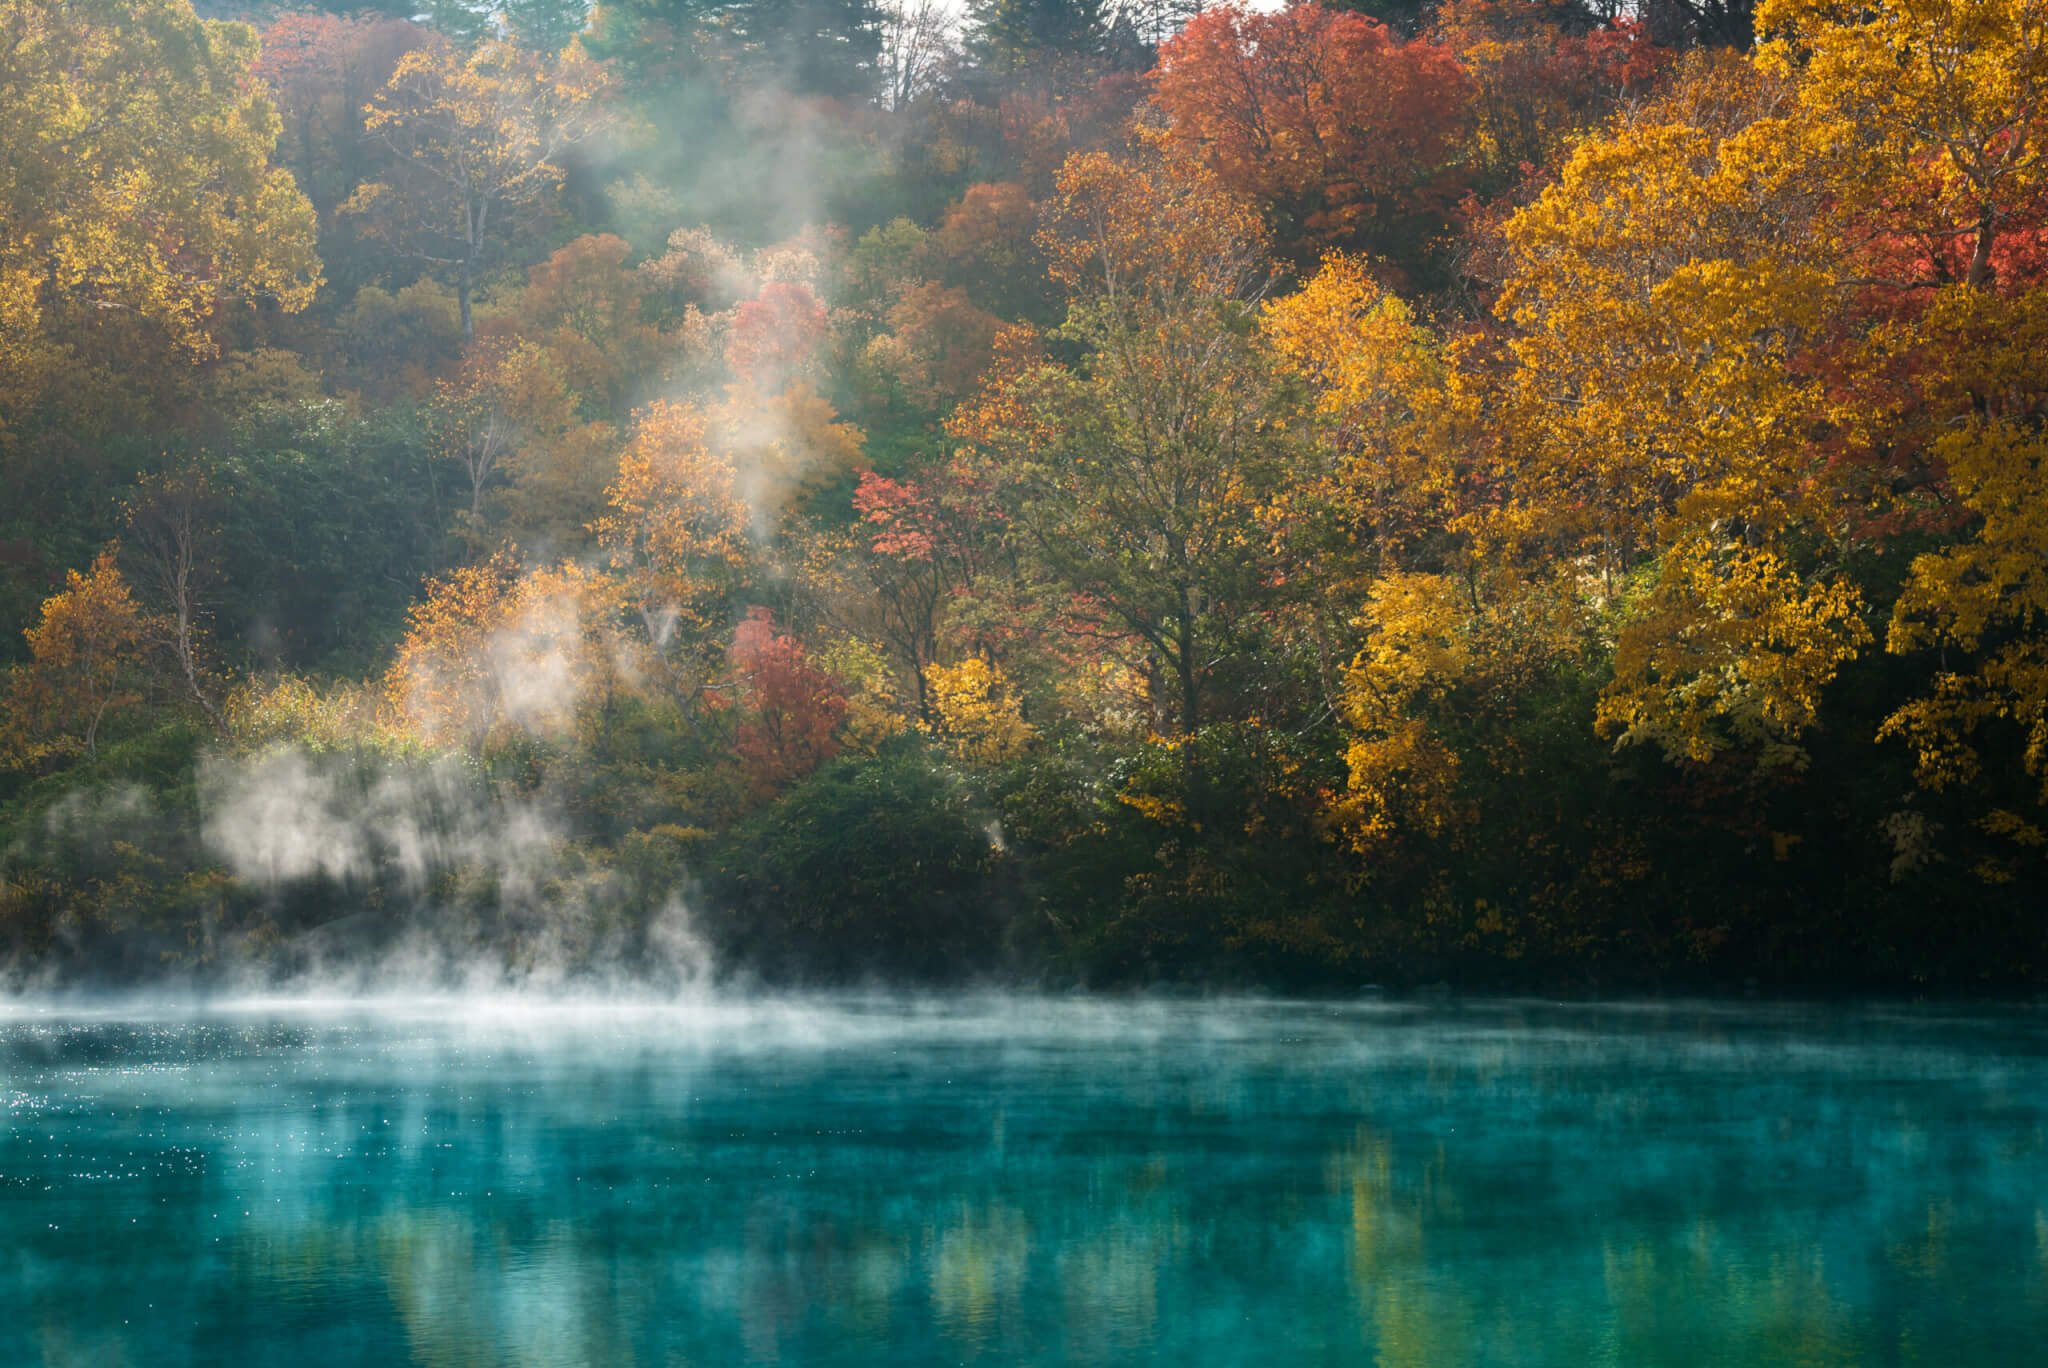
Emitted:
pixel 379 875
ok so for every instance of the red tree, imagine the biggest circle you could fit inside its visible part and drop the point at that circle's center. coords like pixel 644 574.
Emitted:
pixel 322 69
pixel 775 334
pixel 793 708
pixel 1345 134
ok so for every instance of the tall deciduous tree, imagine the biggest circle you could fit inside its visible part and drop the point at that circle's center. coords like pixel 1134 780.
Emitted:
pixel 172 540
pixel 679 535
pixel 1671 288
pixel 1345 133
pixel 1933 118
pixel 1133 479
pixel 477 141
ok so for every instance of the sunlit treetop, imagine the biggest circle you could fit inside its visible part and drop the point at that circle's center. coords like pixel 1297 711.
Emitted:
pixel 135 185
pixel 1939 108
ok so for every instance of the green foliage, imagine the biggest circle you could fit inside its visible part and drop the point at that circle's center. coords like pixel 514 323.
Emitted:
pixel 877 866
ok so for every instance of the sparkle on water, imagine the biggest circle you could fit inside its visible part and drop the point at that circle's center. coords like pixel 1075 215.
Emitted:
pixel 1029 1181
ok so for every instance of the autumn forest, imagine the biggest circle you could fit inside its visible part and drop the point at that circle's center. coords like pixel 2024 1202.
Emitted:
pixel 1097 492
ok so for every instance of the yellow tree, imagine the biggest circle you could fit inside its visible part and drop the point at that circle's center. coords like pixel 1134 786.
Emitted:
pixel 1933 114
pixel 87 659
pixel 976 714
pixel 1383 396
pixel 679 534
pixel 490 649
pixel 1667 291
pixel 136 194
pixel 477 140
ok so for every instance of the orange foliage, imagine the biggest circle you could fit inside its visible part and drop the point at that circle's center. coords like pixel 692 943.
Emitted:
pixel 322 70
pixel 1158 225
pixel 776 334
pixel 940 343
pixel 989 224
pixel 1346 133
pixel 794 708
pixel 585 307
pixel 1537 82
pixel 86 657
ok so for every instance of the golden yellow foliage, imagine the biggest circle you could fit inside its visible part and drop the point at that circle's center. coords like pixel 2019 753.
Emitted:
pixel 1438 650
pixel 490 649
pixel 1933 114
pixel 1662 288
pixel 1667 289
pixel 975 712
pixel 1732 647
pixel 290 710
pixel 1381 388
pixel 135 188
pixel 86 662
pixel 1986 597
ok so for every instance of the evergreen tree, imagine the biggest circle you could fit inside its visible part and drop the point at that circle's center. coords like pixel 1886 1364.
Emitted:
pixel 808 47
pixel 1009 36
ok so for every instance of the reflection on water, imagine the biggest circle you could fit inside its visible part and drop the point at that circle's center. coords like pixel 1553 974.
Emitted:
pixel 997 1181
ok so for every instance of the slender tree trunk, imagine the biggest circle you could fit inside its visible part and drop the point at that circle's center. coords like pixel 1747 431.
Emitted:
pixel 462 298
pixel 1190 687
pixel 1980 258
pixel 187 658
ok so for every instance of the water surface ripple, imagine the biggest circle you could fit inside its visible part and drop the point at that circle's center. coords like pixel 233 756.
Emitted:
pixel 1000 1180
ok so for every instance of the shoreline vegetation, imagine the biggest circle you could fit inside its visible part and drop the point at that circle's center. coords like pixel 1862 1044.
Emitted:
pixel 1127 497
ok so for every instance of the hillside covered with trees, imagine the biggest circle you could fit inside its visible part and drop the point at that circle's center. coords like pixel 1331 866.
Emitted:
pixel 1509 491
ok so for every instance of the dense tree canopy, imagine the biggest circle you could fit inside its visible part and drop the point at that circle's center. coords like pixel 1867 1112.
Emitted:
pixel 136 193
pixel 1517 490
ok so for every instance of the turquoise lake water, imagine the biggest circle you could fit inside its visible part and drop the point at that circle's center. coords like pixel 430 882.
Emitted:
pixel 1025 1181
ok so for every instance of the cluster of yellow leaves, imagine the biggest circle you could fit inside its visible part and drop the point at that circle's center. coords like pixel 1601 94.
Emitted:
pixel 1403 777
pixel 1437 648
pixel 1662 288
pixel 1731 645
pixel 1384 392
pixel 1665 291
pixel 136 194
pixel 975 712
pixel 87 658
pixel 678 530
pixel 490 649
pixel 1929 112
pixel 1987 597
pixel 289 710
